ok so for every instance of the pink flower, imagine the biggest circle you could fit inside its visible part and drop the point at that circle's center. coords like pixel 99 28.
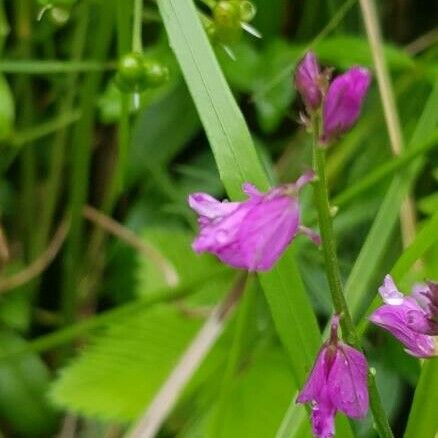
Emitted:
pixel 252 234
pixel 343 102
pixel 411 319
pixel 337 382
pixel 308 81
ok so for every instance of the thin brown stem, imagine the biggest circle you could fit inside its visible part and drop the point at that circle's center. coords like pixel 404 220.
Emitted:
pixel 113 227
pixel 39 265
pixel 168 395
pixel 371 22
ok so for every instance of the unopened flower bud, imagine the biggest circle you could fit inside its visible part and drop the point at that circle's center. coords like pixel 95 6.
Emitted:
pixel 308 81
pixel 343 102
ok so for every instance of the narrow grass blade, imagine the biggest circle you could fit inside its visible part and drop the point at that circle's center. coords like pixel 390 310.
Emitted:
pixel 378 238
pixel 423 419
pixel 238 162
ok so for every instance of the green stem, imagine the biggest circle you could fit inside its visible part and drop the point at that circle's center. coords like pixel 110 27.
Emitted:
pixel 81 157
pixel 23 14
pixel 4 26
pixel 57 155
pixel 115 183
pixel 334 276
pixel 137 43
pixel 37 67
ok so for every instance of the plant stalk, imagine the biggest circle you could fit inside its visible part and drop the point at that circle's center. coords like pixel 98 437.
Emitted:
pixel 334 276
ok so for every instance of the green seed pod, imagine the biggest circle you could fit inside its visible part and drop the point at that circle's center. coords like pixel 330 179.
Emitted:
pixel 226 14
pixel 247 11
pixel 155 72
pixel 130 73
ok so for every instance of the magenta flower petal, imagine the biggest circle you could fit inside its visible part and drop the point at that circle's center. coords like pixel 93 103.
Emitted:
pixel 343 102
pixel 323 420
pixel 406 319
pixel 396 319
pixel 337 382
pixel 348 376
pixel 427 296
pixel 317 380
pixel 389 292
pixel 268 230
pixel 252 234
pixel 209 207
pixel 307 81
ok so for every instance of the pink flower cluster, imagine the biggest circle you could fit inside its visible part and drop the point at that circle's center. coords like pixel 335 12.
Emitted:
pixel 254 233
pixel 341 99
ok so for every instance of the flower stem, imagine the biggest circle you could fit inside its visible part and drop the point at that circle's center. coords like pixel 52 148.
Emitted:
pixel 334 276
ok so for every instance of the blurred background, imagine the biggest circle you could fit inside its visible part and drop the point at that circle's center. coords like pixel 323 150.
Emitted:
pixel 100 292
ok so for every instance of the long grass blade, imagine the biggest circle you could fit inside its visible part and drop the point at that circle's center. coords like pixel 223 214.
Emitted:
pixel 238 162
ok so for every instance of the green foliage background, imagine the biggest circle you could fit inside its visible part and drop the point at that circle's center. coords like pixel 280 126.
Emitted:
pixel 94 334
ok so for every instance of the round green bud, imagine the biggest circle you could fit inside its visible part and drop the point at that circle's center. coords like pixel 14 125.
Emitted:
pixel 210 29
pixel 59 15
pixel 130 73
pixel 247 11
pixel 226 14
pixel 155 72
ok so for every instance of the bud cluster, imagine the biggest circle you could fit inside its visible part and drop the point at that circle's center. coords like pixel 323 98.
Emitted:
pixel 229 17
pixel 340 100
pixel 135 73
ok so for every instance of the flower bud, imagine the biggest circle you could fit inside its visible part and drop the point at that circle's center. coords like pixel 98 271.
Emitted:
pixel 308 81
pixel 135 73
pixel 130 74
pixel 337 382
pixel 343 102
pixel 247 11
pixel 227 14
pixel 156 73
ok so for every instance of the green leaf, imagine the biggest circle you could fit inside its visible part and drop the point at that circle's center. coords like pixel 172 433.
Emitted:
pixel 238 162
pixel 259 397
pixel 423 418
pixel 160 132
pixel 118 375
pixel 23 384
pixel 273 105
pixel 175 245
pixel 343 51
